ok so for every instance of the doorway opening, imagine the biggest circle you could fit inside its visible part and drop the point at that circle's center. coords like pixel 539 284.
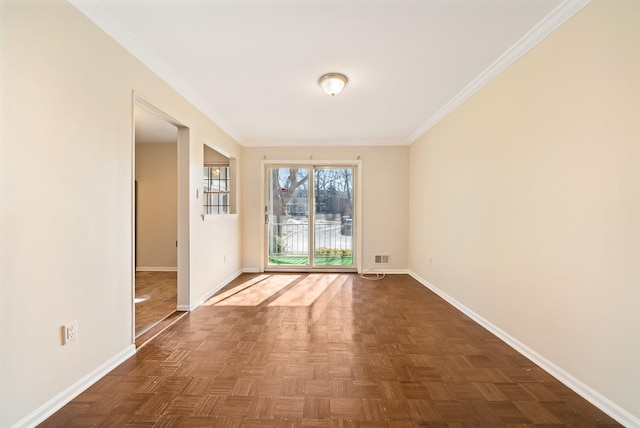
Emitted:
pixel 310 217
pixel 157 216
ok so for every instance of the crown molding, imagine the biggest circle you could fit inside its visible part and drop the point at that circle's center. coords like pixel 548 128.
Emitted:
pixel 96 13
pixel 322 143
pixel 553 20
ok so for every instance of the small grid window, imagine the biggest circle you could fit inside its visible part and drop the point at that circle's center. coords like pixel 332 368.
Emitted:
pixel 216 189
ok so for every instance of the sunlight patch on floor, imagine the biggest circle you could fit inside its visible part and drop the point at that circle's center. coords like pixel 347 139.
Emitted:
pixel 141 299
pixel 257 293
pixel 235 290
pixel 306 291
pixel 294 290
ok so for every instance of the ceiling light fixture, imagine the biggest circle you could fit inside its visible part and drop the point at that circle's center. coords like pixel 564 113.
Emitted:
pixel 333 83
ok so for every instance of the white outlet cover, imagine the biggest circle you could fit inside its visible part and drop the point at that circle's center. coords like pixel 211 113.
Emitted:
pixel 70 332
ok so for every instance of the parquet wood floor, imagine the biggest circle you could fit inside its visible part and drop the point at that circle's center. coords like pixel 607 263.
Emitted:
pixel 351 353
pixel 156 298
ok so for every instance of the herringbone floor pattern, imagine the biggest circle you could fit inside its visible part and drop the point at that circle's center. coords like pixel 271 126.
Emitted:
pixel 331 350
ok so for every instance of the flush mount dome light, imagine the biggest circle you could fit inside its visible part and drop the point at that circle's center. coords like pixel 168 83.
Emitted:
pixel 333 83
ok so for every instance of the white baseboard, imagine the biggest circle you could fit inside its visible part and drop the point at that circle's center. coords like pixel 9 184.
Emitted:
pixel 156 269
pixel 370 270
pixel 585 391
pixel 213 291
pixel 57 402
pixel 386 271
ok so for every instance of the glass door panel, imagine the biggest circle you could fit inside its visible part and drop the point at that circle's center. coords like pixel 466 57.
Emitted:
pixel 333 217
pixel 309 217
pixel 287 217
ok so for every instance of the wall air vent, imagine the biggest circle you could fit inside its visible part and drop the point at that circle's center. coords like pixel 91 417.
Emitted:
pixel 382 259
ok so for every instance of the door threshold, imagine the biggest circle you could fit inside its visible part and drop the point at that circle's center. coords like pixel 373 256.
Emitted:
pixel 158 328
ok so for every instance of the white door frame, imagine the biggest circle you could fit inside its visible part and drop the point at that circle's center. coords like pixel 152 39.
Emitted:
pixel 183 143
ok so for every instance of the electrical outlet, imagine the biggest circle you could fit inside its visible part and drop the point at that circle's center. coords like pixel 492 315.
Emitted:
pixel 69 332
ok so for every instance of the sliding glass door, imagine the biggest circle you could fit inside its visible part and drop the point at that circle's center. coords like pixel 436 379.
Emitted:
pixel 309 217
pixel 333 217
pixel 287 216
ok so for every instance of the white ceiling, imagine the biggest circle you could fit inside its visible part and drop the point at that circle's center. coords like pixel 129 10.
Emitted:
pixel 252 66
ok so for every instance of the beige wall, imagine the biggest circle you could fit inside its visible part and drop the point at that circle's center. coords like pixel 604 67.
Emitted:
pixel 384 198
pixel 215 244
pixel 213 157
pixel 525 202
pixel 157 206
pixel 66 196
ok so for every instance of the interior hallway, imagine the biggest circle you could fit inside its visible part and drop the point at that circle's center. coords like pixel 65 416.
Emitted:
pixel 326 350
